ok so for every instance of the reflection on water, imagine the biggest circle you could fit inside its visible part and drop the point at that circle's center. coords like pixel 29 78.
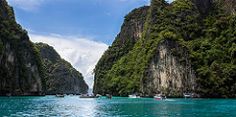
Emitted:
pixel 73 106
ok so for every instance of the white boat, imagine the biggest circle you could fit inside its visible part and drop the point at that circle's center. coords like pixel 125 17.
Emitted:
pixel 134 96
pixel 159 97
pixel 89 96
pixel 98 95
pixel 60 95
pixel 188 95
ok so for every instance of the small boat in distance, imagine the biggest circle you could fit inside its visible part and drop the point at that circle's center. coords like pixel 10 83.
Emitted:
pixel 160 97
pixel 188 95
pixel 89 96
pixel 134 96
pixel 98 95
pixel 60 95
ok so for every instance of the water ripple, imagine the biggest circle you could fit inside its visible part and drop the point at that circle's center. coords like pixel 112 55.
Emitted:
pixel 73 106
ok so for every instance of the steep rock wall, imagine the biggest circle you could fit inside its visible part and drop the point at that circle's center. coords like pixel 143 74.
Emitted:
pixel 202 33
pixel 20 66
pixel 170 71
pixel 131 31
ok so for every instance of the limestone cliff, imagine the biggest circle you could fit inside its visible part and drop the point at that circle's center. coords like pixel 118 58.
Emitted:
pixel 61 77
pixel 20 66
pixel 184 46
pixel 170 71
pixel 131 31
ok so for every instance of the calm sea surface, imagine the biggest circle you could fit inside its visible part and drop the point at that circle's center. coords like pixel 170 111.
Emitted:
pixel 73 106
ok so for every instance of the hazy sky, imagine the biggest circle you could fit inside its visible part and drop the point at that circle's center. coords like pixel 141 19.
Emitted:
pixel 80 30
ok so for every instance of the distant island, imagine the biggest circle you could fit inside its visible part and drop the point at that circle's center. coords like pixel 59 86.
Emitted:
pixel 173 48
pixel 32 69
pixel 61 77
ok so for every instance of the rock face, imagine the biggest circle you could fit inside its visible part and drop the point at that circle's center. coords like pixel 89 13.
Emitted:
pixel 22 71
pixel 170 71
pixel 61 77
pixel 204 6
pixel 184 46
pixel 131 31
pixel 20 66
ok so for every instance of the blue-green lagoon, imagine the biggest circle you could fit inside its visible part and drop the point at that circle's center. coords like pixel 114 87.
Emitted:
pixel 73 106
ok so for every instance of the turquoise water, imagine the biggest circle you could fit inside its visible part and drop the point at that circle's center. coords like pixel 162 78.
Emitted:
pixel 73 106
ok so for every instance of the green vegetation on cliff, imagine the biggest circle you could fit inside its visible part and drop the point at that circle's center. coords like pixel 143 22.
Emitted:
pixel 21 70
pixel 205 28
pixel 60 76
pixel 130 33
pixel 32 69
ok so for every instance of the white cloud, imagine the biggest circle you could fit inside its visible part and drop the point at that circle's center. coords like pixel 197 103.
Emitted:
pixel 28 5
pixel 169 1
pixel 82 53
